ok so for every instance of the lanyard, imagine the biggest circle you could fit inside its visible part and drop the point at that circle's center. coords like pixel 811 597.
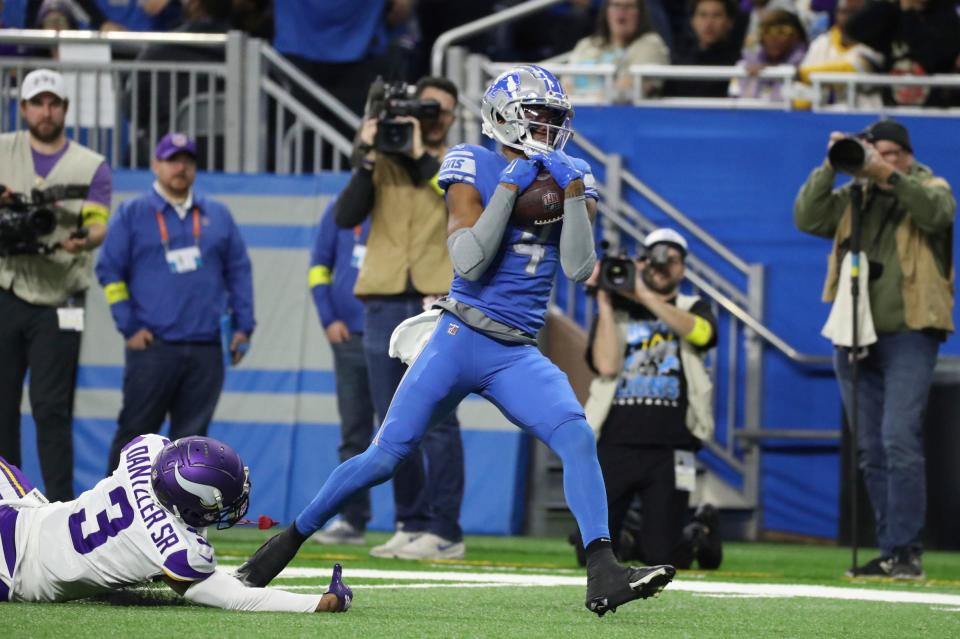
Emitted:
pixel 357 232
pixel 165 237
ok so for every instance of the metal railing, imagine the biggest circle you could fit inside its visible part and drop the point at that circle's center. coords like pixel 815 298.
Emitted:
pixel 251 111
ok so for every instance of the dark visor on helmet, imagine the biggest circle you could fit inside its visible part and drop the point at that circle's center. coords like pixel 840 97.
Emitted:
pixel 546 115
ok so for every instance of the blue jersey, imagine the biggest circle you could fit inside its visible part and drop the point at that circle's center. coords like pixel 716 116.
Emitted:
pixel 516 287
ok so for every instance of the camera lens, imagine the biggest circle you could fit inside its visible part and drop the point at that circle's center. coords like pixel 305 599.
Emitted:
pixel 616 274
pixel 847 155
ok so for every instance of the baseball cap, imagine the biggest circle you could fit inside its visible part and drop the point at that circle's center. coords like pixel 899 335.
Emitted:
pixel 42 81
pixel 890 131
pixel 666 236
pixel 173 143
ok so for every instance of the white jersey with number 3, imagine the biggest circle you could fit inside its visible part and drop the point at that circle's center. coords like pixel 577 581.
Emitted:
pixel 115 534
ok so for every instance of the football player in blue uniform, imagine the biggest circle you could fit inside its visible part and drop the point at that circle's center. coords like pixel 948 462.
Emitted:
pixel 483 340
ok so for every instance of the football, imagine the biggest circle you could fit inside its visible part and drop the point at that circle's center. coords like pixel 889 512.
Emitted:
pixel 541 203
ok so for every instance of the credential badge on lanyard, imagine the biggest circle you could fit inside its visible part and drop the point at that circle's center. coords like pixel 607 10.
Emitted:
pixel 183 260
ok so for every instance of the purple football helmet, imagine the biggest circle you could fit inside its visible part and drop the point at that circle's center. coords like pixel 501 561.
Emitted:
pixel 202 481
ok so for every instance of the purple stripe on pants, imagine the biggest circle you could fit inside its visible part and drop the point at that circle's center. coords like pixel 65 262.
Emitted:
pixel 8 541
pixel 15 477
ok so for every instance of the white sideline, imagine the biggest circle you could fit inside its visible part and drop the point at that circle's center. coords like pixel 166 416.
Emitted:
pixel 703 587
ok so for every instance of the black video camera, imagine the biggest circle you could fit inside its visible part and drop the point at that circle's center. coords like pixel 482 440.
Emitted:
pixel 388 101
pixel 24 220
pixel 618 274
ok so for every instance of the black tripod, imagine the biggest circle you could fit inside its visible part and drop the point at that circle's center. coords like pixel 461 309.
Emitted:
pixel 856 211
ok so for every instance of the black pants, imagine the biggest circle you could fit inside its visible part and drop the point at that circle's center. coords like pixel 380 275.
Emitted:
pixel 647 472
pixel 183 380
pixel 355 406
pixel 30 338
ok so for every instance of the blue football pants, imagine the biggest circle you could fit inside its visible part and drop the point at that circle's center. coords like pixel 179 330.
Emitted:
pixel 526 386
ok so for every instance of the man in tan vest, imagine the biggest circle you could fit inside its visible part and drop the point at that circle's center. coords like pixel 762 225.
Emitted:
pixel 907 238
pixel 43 278
pixel 405 264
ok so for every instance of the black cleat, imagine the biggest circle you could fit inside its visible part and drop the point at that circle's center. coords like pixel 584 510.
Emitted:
pixel 269 559
pixel 606 592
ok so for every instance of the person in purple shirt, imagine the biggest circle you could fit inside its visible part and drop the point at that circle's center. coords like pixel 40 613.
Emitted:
pixel 43 278
pixel 783 41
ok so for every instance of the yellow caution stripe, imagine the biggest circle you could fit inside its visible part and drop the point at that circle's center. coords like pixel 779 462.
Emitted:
pixel 319 276
pixel 702 332
pixel 116 292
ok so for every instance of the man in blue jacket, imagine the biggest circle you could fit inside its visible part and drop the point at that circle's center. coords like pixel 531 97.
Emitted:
pixel 174 263
pixel 334 264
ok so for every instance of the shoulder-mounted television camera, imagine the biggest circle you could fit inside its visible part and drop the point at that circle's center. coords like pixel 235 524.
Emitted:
pixel 618 274
pixel 388 101
pixel 24 220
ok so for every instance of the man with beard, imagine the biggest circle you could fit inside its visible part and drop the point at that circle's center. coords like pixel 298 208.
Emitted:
pixel 173 266
pixel 45 268
pixel 651 405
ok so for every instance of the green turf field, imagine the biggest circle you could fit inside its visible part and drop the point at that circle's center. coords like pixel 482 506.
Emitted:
pixel 505 588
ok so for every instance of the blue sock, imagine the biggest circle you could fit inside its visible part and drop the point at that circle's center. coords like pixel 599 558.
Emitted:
pixel 574 443
pixel 371 467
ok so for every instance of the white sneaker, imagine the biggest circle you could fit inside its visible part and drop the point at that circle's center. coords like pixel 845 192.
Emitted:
pixel 430 546
pixel 339 532
pixel 389 549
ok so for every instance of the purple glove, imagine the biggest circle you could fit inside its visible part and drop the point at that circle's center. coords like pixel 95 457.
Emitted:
pixel 521 172
pixel 561 166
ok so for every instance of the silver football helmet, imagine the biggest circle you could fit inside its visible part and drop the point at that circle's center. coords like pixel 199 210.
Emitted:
pixel 527 109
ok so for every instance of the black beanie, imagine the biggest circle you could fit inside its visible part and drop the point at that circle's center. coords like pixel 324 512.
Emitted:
pixel 890 131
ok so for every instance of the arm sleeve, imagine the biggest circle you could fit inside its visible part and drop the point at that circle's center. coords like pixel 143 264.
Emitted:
pixel 818 207
pixel 472 250
pixel 322 260
pixel 113 272
pixel 221 590
pixel 238 274
pixel 96 208
pixel 355 201
pixel 577 254
pixel 929 203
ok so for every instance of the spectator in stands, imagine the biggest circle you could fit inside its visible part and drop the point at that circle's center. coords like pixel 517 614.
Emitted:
pixel 173 264
pixel 757 9
pixel 119 15
pixel 782 41
pixel 622 37
pixel 334 264
pixel 56 15
pixel 136 15
pixel 916 37
pixel 43 283
pixel 906 233
pixel 201 16
pixel 834 51
pixel 353 37
pixel 651 404
pixel 713 44
pixel 405 267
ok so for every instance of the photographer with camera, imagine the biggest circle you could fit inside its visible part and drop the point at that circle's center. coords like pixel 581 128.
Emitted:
pixel 54 205
pixel 651 403
pixel 402 140
pixel 906 233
